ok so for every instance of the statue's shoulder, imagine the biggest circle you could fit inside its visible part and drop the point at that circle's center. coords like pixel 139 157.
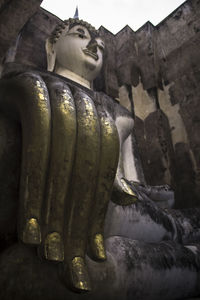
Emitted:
pixel 112 105
pixel 13 70
pixel 17 79
pixel 27 76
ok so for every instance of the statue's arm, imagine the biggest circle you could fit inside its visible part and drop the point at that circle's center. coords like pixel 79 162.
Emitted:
pixel 122 191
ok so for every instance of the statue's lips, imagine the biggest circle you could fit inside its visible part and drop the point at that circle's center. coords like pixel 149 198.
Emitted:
pixel 90 53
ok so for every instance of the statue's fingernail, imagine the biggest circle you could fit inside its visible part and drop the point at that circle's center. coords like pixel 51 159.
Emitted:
pixel 99 250
pixel 31 232
pixel 127 188
pixel 53 247
pixel 79 278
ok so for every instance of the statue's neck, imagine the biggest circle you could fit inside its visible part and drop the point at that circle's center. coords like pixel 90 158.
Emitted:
pixel 73 76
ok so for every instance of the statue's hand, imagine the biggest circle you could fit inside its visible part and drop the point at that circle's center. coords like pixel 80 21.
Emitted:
pixel 79 161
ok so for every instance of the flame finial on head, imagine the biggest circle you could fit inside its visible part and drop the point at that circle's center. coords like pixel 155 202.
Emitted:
pixel 76 16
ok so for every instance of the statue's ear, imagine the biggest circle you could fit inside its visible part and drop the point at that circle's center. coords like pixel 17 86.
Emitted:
pixel 51 55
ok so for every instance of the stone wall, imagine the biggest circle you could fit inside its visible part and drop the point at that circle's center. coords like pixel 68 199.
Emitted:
pixel 155 73
pixel 14 15
pixel 162 66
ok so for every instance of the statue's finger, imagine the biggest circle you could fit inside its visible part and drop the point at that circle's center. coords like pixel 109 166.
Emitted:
pixel 28 100
pixel 107 170
pixel 75 274
pixel 82 189
pixel 63 138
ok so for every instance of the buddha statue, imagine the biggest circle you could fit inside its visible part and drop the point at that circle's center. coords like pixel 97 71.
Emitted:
pixel 72 151
pixel 74 184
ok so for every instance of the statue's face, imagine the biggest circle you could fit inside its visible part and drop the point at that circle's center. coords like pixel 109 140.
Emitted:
pixel 80 52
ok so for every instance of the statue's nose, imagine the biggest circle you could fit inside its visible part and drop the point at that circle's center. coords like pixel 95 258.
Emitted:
pixel 92 46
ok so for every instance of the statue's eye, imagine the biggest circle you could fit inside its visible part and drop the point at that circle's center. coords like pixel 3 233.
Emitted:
pixel 82 36
pixel 101 47
pixel 81 33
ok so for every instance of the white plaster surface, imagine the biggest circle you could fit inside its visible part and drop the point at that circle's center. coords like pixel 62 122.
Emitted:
pixel 124 127
pixel 124 98
pixel 143 103
pixel 130 171
pixel 126 166
pixel 75 77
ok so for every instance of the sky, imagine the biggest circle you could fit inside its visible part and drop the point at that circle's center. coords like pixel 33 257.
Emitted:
pixel 114 14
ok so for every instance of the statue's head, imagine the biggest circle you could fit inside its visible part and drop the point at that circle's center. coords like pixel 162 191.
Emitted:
pixel 75 46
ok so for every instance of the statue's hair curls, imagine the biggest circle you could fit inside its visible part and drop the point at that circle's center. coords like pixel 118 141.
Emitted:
pixel 70 23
